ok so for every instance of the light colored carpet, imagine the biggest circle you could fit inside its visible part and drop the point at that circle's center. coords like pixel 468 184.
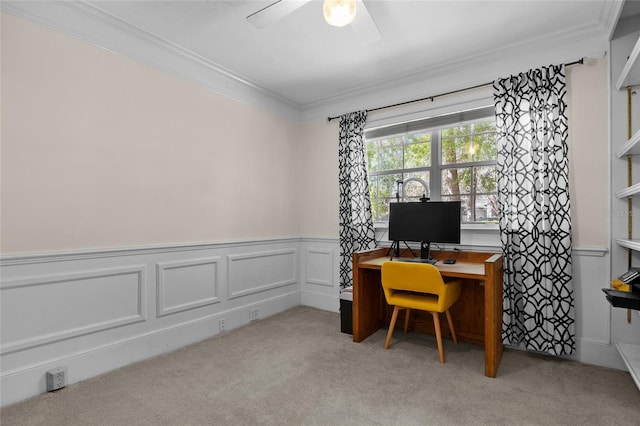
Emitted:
pixel 296 368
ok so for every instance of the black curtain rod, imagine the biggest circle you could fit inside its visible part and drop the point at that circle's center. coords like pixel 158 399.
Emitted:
pixel 453 92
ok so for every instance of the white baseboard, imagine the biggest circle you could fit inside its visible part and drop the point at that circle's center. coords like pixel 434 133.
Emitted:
pixel 597 353
pixel 325 302
pixel 125 305
pixel 29 381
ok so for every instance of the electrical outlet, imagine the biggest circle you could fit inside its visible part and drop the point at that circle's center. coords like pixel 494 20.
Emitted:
pixel 253 314
pixel 56 379
pixel 222 326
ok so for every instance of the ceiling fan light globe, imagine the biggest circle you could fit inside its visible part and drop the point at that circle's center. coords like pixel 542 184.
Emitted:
pixel 339 13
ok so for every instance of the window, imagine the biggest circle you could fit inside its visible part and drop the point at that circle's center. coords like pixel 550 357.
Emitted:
pixel 451 157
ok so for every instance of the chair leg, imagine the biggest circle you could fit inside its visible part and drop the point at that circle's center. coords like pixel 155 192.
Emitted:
pixel 436 324
pixel 406 320
pixel 394 317
pixel 453 332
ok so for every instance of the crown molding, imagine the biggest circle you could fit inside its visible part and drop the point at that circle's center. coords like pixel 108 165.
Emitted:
pixel 90 24
pixel 93 25
pixel 483 67
pixel 610 17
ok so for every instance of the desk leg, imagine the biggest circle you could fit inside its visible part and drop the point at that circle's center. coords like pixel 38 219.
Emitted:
pixel 367 303
pixel 493 320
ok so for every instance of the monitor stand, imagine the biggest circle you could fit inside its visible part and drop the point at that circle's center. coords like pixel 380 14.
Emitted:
pixel 425 251
pixel 394 249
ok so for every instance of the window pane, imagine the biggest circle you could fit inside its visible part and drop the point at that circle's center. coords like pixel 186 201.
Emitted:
pixel 373 187
pixel 418 137
pixel 417 151
pixel 456 150
pixel 486 179
pixel 380 209
pixel 390 157
pixel 468 143
pixel 486 208
pixel 484 147
pixel 417 155
pixel 456 181
pixel 485 126
pixel 478 195
pixel 415 189
pixel 373 162
pixel 381 189
pixel 457 131
pixel 387 185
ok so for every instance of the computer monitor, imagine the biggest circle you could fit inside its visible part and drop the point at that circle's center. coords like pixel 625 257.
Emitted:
pixel 426 223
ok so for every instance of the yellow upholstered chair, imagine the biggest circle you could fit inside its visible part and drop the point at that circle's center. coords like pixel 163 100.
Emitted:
pixel 419 286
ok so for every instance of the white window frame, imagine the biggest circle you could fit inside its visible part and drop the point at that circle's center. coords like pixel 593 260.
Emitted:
pixel 434 124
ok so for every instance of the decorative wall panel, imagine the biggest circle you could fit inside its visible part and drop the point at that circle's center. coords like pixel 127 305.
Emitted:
pixel 255 272
pixel 44 309
pixel 319 267
pixel 183 285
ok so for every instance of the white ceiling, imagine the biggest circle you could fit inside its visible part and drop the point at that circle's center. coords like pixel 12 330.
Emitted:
pixel 301 61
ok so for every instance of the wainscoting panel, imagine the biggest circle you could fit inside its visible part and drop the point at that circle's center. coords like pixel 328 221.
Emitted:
pixel 256 272
pixel 319 286
pixel 87 310
pixel 96 310
pixel 183 285
pixel 319 267
pixel 37 310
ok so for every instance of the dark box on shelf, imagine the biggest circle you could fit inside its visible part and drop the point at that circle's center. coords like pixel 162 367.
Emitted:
pixel 624 299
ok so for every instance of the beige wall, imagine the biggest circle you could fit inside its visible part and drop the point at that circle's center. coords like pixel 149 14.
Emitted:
pixel 589 153
pixel 318 179
pixel 100 151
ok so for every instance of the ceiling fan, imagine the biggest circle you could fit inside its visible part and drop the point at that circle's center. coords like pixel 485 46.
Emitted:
pixel 362 24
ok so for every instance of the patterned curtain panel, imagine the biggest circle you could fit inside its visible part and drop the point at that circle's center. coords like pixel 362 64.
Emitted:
pixel 356 222
pixel 535 224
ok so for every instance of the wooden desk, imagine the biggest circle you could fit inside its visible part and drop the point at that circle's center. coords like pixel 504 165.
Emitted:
pixel 477 315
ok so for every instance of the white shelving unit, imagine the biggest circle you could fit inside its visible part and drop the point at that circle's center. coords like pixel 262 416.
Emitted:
pixel 632 147
pixel 631 356
pixel 630 76
pixel 629 191
pixel 630 244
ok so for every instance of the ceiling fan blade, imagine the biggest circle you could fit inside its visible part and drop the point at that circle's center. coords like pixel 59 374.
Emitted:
pixel 275 11
pixel 364 26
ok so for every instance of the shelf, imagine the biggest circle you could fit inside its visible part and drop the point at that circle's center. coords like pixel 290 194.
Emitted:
pixel 631 356
pixel 631 147
pixel 628 192
pixel 630 244
pixel 630 75
pixel 622 299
